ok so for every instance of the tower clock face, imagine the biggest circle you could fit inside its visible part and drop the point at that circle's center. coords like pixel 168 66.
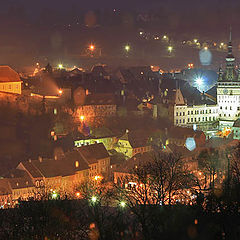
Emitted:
pixel 225 91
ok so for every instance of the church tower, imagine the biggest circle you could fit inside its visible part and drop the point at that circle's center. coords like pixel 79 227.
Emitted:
pixel 228 91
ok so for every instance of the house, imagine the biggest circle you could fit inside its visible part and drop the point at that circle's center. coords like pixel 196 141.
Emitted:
pixel 236 129
pixel 97 158
pixel 61 175
pixel 96 106
pixel 98 135
pixel 179 135
pixel 133 142
pixel 10 81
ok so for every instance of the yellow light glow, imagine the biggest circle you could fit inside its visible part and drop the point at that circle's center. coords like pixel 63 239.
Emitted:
pixel 205 48
pixel 170 48
pixel 60 91
pixel 82 118
pixel 164 37
pixel 127 48
pixel 60 66
pixel 195 40
pixel 77 194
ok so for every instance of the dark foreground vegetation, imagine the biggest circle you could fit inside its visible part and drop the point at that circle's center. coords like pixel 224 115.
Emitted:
pixel 215 217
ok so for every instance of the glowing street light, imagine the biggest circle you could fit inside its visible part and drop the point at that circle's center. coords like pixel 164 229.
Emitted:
pixel 60 66
pixel 97 178
pixel 82 118
pixel 91 47
pixel 199 81
pixel 170 49
pixel 78 194
pixel 60 91
pixel 122 204
pixel 165 37
pixel 195 40
pixel 94 199
pixel 54 195
pixel 127 48
pixel 205 48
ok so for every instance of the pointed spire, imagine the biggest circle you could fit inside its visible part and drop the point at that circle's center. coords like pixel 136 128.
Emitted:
pixel 230 35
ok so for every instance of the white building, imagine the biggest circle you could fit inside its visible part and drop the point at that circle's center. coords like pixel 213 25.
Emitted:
pixel 224 112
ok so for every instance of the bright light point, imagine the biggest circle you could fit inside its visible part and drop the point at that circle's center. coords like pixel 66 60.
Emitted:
pixel 164 37
pixel 222 44
pixel 94 199
pixel 81 118
pixel 199 81
pixel 205 48
pixel 77 194
pixel 54 195
pixel 60 66
pixel 170 48
pixel 60 91
pixel 122 204
pixel 91 47
pixel 141 33
pixel 190 144
pixel 127 48
pixel 195 40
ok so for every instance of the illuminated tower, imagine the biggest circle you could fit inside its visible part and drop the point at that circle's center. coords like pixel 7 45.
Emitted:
pixel 228 91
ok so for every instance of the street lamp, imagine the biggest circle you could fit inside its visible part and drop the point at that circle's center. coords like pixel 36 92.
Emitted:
pixel 127 48
pixel 170 49
pixel 91 47
pixel 122 204
pixel 82 118
pixel 60 66
pixel 94 199
pixel 60 91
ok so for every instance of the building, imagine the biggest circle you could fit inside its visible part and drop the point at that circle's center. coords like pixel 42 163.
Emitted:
pixel 98 135
pixel 179 135
pixel 60 175
pixel 211 116
pixel 97 158
pixel 10 81
pixel 236 129
pixel 96 106
pixel 133 142
pixel 228 91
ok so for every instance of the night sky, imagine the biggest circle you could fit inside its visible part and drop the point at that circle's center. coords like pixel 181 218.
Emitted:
pixel 56 30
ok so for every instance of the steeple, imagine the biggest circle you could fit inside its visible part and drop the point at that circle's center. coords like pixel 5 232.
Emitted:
pixel 230 61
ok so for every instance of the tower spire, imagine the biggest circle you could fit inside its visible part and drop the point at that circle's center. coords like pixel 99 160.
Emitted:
pixel 230 34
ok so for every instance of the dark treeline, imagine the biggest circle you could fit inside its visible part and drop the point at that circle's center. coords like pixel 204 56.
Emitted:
pixel 80 219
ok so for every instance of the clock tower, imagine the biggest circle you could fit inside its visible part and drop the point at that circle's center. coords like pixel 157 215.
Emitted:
pixel 228 91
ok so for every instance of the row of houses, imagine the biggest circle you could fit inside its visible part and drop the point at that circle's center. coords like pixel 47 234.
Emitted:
pixel 38 178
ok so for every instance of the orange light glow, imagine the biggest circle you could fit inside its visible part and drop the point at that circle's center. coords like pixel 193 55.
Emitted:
pixel 77 194
pixel 82 118
pixel 91 47
pixel 97 178
pixel 60 91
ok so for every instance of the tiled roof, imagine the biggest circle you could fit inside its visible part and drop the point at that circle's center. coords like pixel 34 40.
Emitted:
pixel 7 74
pixel 136 160
pixel 100 99
pixel 137 138
pixel 183 132
pixel 237 123
pixel 94 152
pixel 5 187
pixel 33 171
pixel 17 183
pixel 53 168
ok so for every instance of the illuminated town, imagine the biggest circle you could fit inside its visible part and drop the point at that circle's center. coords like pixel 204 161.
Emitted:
pixel 115 126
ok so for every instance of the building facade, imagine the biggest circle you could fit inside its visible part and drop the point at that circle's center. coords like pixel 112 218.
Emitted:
pixel 221 115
